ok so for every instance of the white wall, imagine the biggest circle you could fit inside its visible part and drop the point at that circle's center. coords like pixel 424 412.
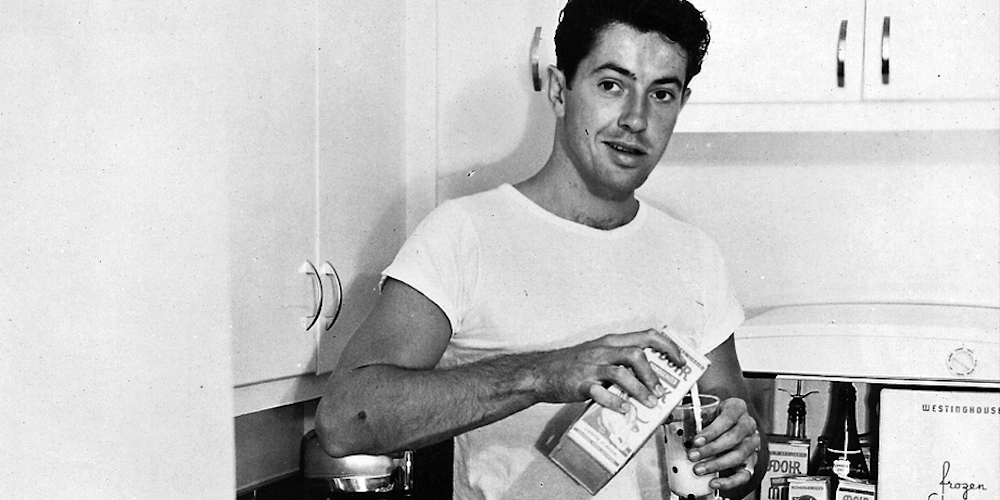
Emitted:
pixel 911 217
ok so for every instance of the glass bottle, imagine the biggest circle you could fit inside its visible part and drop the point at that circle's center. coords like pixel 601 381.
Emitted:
pixel 842 457
pixel 797 413
pixel 816 459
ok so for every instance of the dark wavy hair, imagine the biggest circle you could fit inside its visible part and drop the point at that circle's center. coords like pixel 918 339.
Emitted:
pixel 582 21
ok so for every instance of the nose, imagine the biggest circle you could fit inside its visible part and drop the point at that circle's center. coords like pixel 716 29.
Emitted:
pixel 633 116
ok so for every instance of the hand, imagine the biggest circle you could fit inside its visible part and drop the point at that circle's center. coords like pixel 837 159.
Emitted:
pixel 731 441
pixel 584 371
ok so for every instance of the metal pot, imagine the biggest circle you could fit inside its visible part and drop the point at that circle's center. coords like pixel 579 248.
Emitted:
pixel 355 473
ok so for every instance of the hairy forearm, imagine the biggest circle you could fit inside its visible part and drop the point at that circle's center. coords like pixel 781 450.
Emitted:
pixel 379 409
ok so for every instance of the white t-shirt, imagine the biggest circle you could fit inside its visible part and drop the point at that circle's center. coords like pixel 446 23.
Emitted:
pixel 512 277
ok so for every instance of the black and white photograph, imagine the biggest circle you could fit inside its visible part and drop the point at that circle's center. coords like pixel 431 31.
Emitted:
pixel 408 249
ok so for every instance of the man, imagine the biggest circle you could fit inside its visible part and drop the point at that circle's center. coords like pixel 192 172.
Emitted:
pixel 505 306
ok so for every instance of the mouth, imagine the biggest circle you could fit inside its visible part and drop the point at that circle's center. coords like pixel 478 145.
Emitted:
pixel 625 148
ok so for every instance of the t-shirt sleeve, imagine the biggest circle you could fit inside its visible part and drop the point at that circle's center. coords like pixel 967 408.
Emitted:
pixel 725 312
pixel 440 260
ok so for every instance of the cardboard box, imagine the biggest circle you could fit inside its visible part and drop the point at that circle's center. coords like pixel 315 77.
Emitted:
pixel 789 457
pixel 938 444
pixel 601 441
pixel 802 487
pixel 851 490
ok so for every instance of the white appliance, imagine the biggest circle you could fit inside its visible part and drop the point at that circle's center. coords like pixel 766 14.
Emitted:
pixel 939 445
pixel 938 370
pixel 890 343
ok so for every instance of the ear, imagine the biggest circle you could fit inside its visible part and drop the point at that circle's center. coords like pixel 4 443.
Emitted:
pixel 557 91
pixel 684 98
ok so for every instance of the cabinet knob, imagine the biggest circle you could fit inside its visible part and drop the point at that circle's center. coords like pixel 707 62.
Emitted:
pixel 317 294
pixel 536 76
pixel 841 52
pixel 335 301
pixel 885 50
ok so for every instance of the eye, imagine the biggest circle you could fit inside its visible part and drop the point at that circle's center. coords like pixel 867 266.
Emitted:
pixel 662 95
pixel 609 86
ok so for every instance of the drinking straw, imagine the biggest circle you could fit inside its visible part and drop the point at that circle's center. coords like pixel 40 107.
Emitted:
pixel 696 407
pixel 696 404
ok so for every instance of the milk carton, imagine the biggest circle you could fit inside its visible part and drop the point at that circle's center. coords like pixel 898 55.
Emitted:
pixel 601 441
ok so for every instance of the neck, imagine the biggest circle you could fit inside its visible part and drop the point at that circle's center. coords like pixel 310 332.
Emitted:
pixel 568 197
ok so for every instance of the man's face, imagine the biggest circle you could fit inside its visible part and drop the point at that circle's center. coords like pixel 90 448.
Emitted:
pixel 621 111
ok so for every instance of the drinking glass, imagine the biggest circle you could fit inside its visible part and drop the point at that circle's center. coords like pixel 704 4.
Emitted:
pixel 679 431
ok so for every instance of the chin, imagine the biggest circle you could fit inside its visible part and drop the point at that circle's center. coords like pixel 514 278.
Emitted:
pixel 617 192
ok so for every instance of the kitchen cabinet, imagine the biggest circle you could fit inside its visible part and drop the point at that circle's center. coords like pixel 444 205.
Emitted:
pixel 801 66
pixel 115 316
pixel 362 195
pixel 272 192
pixel 807 52
pixel 167 171
pixel 319 188
pixel 932 50
pixel 766 52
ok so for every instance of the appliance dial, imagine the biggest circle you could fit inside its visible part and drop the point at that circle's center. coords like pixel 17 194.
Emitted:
pixel 962 362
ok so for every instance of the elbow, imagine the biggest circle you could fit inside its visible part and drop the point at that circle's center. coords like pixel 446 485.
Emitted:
pixel 338 435
pixel 333 445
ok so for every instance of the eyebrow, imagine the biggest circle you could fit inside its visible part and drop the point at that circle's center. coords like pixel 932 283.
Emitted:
pixel 624 72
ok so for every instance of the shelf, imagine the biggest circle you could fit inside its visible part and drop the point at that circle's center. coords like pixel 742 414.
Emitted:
pixel 896 382
pixel 840 116
pixel 274 393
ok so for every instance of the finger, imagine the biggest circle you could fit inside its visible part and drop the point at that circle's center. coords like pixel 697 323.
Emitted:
pixel 732 458
pixel 659 342
pixel 664 345
pixel 636 359
pixel 736 480
pixel 628 367
pixel 625 379
pixel 606 398
pixel 740 434
pixel 649 338
pixel 735 436
pixel 732 418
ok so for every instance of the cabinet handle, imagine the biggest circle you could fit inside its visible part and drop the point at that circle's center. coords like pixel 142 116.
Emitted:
pixel 337 301
pixel 841 52
pixel 308 268
pixel 885 50
pixel 536 76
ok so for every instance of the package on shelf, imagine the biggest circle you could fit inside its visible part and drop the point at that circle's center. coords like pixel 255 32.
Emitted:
pixel 854 490
pixel 789 457
pixel 798 487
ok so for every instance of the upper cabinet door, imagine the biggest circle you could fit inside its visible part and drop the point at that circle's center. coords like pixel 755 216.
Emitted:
pixel 360 141
pixel 932 50
pixel 272 191
pixel 763 51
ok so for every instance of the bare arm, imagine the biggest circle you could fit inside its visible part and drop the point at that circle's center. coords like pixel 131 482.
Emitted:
pixel 732 439
pixel 385 395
